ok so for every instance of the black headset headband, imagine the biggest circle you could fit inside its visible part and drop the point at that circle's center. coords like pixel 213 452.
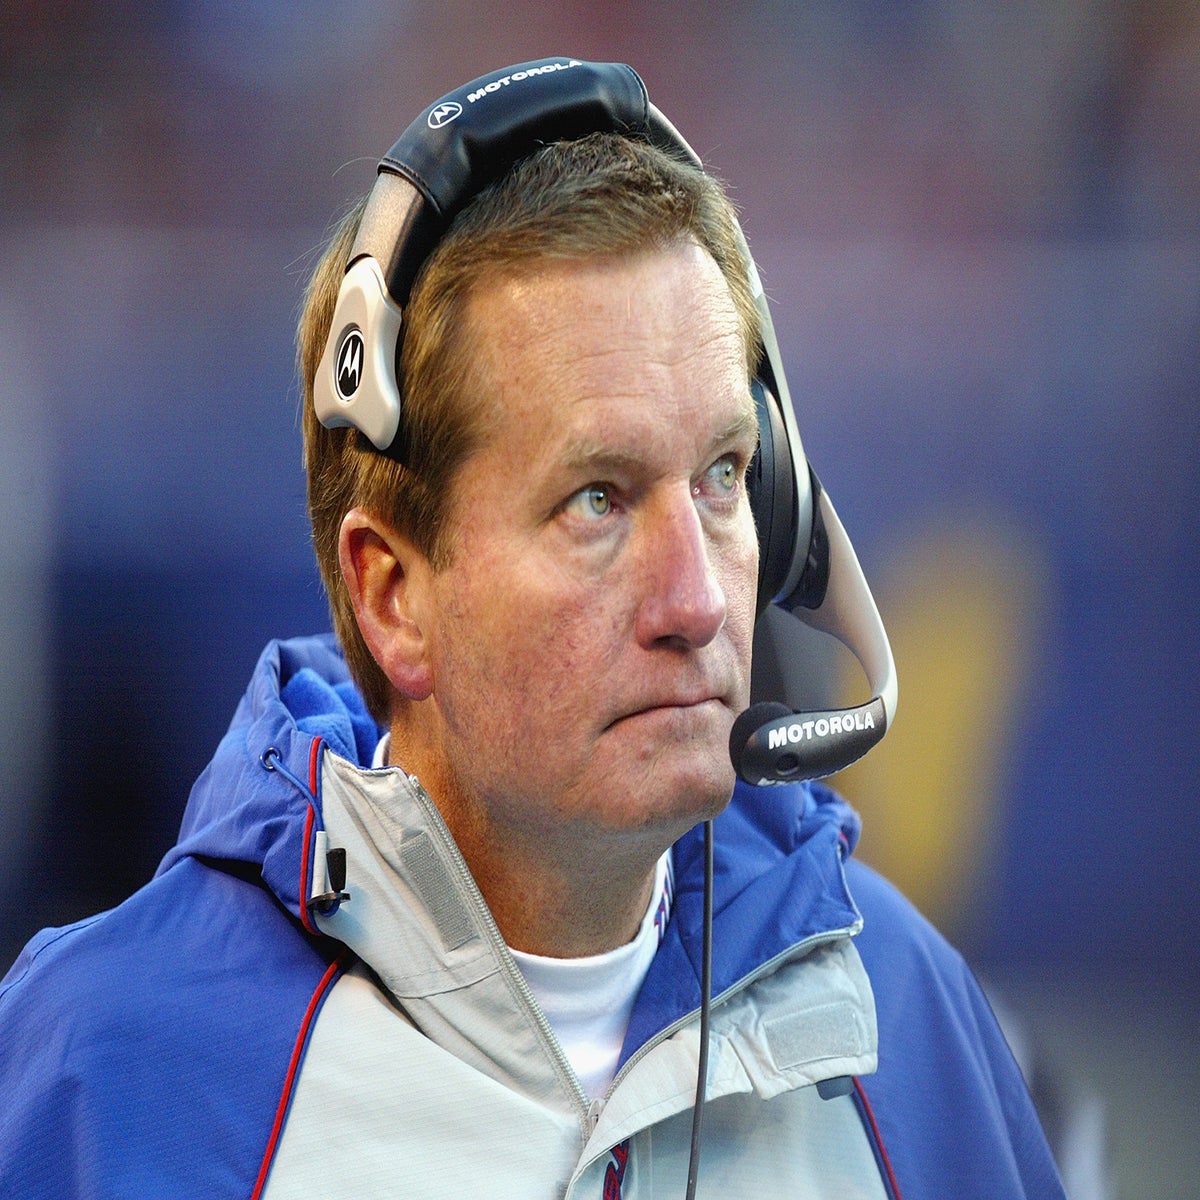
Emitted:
pixel 472 136
pixel 452 151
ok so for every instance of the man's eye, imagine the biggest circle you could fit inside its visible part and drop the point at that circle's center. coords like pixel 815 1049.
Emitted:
pixel 591 502
pixel 724 473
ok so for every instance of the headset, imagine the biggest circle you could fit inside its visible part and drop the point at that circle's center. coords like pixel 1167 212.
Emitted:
pixel 807 565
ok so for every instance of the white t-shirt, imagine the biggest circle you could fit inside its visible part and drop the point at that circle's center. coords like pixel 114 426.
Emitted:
pixel 588 1000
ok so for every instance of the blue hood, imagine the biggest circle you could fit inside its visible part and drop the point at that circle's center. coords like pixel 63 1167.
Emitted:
pixel 258 800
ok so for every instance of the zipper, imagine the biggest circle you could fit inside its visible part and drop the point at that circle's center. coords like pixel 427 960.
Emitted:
pixel 586 1110
pixel 796 950
pixel 589 1110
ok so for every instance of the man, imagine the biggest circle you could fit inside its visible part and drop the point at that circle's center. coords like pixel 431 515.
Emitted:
pixel 434 925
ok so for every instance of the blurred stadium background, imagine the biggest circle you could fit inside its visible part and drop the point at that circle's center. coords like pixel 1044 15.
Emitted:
pixel 980 227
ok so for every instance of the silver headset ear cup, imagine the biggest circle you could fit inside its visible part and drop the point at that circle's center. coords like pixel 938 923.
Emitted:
pixel 355 383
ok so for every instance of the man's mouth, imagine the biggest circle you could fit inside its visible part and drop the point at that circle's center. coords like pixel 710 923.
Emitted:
pixel 667 704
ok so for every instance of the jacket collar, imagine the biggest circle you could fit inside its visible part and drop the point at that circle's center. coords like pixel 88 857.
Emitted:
pixel 416 918
pixel 779 885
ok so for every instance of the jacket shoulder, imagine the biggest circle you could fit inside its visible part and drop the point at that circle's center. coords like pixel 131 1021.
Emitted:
pixel 153 1038
pixel 950 1103
pixel 894 928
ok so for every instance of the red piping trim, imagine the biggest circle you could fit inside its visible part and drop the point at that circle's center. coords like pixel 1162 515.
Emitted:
pixel 314 759
pixel 877 1137
pixel 314 1004
pixel 305 855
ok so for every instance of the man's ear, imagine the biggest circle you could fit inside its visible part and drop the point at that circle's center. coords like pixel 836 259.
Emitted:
pixel 387 578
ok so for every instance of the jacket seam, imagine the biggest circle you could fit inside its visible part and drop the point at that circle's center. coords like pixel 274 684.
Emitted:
pixel 871 1125
pixel 315 1002
pixel 32 959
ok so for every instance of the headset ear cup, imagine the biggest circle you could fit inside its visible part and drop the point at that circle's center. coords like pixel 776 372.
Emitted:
pixel 355 383
pixel 771 484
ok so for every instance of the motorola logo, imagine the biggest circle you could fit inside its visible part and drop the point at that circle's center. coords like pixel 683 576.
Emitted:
pixel 349 364
pixel 515 77
pixel 800 731
pixel 444 113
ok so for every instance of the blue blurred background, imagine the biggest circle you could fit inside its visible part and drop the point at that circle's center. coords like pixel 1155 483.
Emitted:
pixel 979 224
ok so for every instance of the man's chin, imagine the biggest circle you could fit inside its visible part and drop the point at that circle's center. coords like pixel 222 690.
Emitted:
pixel 670 764
pixel 685 786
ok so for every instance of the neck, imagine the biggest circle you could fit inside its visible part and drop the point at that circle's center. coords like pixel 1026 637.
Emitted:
pixel 567 892
pixel 581 901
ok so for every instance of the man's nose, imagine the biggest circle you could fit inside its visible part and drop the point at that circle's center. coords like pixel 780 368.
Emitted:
pixel 682 599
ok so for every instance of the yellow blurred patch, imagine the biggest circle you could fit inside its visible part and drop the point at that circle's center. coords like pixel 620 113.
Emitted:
pixel 963 607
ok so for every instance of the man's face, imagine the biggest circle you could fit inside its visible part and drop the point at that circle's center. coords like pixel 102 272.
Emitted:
pixel 590 640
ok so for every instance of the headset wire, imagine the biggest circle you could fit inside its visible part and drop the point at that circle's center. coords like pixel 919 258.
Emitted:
pixel 705 998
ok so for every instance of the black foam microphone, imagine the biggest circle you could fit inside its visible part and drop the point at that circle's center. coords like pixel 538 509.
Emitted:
pixel 771 743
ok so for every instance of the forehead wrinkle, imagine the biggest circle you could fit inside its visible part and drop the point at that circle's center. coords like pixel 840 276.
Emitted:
pixel 589 452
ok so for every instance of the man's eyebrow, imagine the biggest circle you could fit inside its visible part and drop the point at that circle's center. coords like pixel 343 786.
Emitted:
pixel 744 426
pixel 588 453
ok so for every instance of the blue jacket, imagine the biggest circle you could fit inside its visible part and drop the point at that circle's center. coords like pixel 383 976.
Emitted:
pixel 155 1049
